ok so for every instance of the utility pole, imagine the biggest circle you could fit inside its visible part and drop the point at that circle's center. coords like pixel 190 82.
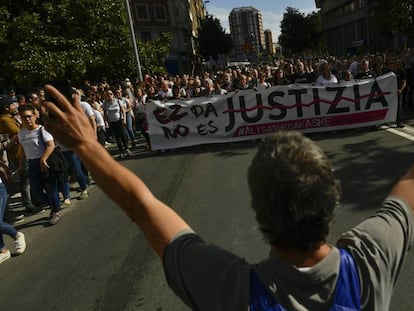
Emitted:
pixel 134 41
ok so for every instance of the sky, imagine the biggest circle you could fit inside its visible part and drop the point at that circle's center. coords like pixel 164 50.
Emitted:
pixel 272 11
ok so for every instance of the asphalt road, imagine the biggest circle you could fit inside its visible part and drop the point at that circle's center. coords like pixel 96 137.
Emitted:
pixel 96 259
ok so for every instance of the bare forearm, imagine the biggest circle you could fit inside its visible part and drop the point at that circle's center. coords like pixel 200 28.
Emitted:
pixel 48 151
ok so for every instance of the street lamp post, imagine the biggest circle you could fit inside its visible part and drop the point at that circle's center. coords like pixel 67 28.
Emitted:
pixel 205 6
pixel 134 42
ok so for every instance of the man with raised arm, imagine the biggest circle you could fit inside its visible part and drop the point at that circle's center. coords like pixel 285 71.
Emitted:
pixel 294 194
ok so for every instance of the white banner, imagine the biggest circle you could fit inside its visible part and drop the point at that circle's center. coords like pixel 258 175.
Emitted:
pixel 250 114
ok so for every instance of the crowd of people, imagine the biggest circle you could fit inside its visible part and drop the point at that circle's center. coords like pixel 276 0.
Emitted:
pixel 117 114
pixel 294 194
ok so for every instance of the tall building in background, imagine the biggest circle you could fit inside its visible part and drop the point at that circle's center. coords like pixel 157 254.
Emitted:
pixel 269 42
pixel 246 28
pixel 181 18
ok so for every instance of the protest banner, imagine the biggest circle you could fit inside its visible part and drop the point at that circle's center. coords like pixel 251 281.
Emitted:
pixel 251 114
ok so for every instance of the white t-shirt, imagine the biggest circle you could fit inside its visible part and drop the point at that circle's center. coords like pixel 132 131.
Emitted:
pixel 125 104
pixel 34 144
pixel 322 81
pixel 87 109
pixel 113 110
pixel 99 119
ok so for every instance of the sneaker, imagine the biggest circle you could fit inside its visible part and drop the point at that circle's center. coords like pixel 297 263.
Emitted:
pixel 5 256
pixel 54 218
pixel 128 152
pixel 13 218
pixel 16 221
pixel 65 204
pixel 20 243
pixel 19 217
pixel 84 195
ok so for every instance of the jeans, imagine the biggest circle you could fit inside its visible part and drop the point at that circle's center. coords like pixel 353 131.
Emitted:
pixel 129 129
pixel 101 136
pixel 5 228
pixel 24 186
pixel 75 165
pixel 38 184
pixel 118 131
pixel 64 187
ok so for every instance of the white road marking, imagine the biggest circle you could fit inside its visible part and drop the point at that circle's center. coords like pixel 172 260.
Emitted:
pixel 406 132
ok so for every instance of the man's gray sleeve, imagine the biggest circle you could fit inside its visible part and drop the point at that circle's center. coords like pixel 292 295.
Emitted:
pixel 206 277
pixel 379 246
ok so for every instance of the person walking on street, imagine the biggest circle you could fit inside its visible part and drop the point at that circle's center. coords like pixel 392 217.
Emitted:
pixel 38 145
pixel 294 193
pixel 115 116
pixel 129 116
pixel 395 66
pixel 11 125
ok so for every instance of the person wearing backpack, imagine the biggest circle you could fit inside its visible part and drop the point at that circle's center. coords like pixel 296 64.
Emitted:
pixel 294 194
pixel 38 146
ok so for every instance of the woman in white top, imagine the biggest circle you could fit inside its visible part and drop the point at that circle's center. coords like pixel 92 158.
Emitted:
pixel 38 145
pixel 116 117
pixel 129 115
pixel 326 76
pixel 99 117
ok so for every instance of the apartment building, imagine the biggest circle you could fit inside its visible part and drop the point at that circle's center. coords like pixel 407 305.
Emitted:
pixel 246 28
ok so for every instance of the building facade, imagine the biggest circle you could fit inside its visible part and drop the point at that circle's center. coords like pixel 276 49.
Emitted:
pixel 351 26
pixel 246 28
pixel 269 50
pixel 181 18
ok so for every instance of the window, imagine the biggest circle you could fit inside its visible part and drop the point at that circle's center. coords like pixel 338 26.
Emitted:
pixel 160 13
pixel 142 12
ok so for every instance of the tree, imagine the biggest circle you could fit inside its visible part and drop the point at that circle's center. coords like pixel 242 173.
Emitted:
pixel 299 32
pixel 314 35
pixel 152 54
pixel 394 17
pixel 43 40
pixel 212 39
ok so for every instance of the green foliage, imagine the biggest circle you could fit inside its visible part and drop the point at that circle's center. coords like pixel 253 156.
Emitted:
pixel 43 40
pixel 152 54
pixel 395 15
pixel 300 33
pixel 212 39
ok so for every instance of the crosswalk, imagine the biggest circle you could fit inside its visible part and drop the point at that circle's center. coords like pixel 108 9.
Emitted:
pixel 405 132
